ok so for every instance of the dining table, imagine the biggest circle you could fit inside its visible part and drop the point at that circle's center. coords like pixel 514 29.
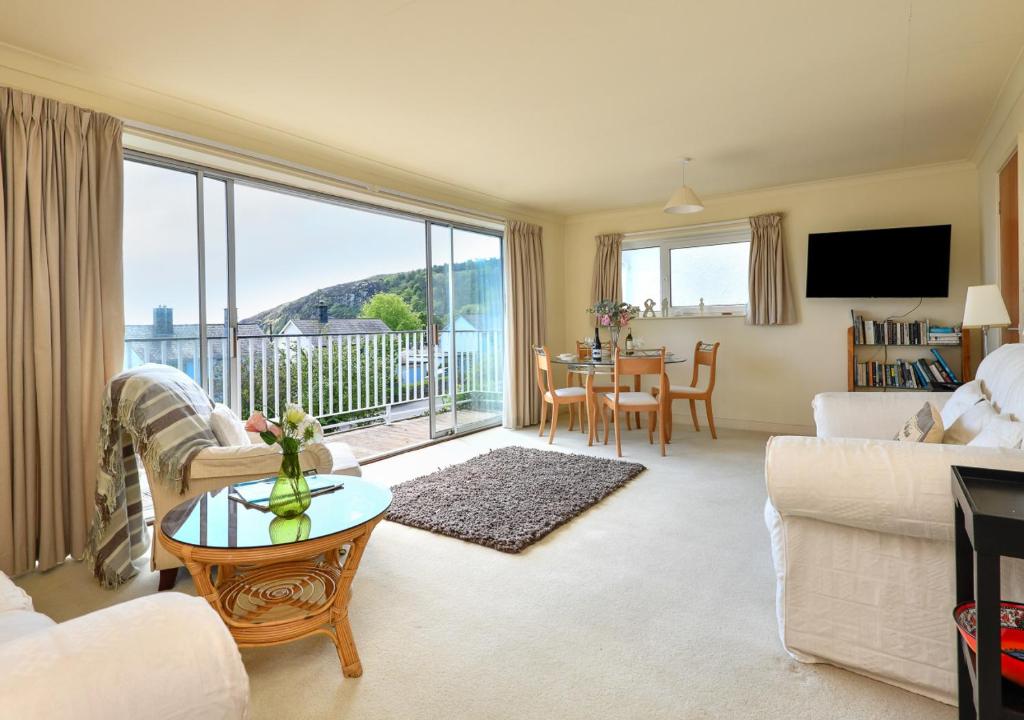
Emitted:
pixel 606 366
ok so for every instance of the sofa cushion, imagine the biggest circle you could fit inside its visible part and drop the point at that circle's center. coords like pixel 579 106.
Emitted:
pixel 966 396
pixel 228 427
pixel 1001 432
pixel 12 597
pixel 923 426
pixel 1000 374
pixel 970 424
pixel 17 623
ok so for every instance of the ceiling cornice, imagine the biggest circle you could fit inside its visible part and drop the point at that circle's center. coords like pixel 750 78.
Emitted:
pixel 1011 93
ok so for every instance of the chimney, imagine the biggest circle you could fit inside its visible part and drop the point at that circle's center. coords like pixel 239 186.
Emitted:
pixel 163 321
pixel 322 307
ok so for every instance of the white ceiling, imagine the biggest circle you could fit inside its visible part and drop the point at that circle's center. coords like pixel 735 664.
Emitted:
pixel 573 105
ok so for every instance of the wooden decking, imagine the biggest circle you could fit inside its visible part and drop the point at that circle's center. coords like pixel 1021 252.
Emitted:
pixel 377 440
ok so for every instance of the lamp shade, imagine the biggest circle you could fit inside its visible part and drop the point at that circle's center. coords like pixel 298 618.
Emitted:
pixel 985 307
pixel 684 200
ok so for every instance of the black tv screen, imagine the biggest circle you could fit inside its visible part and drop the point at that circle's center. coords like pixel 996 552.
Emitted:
pixel 892 263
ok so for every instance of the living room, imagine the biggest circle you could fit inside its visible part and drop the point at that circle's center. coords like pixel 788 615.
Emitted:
pixel 360 253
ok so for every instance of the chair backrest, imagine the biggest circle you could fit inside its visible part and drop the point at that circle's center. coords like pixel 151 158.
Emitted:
pixel 647 364
pixel 543 366
pixel 705 354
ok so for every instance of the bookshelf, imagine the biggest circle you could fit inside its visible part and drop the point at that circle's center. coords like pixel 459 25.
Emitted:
pixel 957 356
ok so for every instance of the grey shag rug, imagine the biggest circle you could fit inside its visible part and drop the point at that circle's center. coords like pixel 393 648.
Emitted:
pixel 508 498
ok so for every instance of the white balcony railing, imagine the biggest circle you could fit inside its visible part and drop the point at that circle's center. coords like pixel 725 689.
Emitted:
pixel 340 379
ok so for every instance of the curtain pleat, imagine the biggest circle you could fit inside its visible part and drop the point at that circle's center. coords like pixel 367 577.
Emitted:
pixel 61 320
pixel 607 282
pixel 771 300
pixel 524 272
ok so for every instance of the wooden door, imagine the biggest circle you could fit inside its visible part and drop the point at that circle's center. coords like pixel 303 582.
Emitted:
pixel 1009 248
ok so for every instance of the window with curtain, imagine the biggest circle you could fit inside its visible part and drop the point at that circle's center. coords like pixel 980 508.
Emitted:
pixel 689 266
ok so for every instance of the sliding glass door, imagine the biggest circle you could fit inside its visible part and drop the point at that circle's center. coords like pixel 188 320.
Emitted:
pixel 268 295
pixel 468 335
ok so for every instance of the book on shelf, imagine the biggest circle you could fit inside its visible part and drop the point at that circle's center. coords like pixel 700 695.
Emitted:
pixel 921 374
pixel 897 332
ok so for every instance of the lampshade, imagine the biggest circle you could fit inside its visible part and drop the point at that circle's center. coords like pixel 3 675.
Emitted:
pixel 985 307
pixel 684 200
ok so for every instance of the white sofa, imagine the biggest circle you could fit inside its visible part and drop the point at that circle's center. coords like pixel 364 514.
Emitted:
pixel 157 657
pixel 862 533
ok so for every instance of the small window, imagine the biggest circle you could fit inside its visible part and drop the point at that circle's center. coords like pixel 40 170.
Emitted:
pixel 713 274
pixel 688 266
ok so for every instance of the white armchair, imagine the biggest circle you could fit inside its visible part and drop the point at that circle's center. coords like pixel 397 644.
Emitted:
pixel 101 665
pixel 862 533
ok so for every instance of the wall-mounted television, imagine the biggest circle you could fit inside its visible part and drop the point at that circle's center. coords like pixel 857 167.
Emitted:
pixel 905 262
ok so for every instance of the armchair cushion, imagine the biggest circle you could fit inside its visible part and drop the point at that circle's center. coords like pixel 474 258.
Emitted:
pixel 880 485
pixel 868 414
pixel 160 656
pixel 254 461
pixel 965 396
pixel 227 426
pixel 970 423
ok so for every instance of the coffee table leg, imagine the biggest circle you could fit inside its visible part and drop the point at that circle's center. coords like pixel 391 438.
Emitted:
pixel 346 645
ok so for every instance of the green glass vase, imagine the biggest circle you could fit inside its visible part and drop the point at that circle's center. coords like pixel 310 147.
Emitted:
pixel 289 530
pixel 290 495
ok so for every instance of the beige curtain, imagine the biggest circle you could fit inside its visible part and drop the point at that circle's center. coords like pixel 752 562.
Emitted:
pixel 771 300
pixel 524 273
pixel 61 320
pixel 607 283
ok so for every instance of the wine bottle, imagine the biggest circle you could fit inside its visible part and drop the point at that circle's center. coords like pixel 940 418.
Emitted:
pixel 595 349
pixel 629 341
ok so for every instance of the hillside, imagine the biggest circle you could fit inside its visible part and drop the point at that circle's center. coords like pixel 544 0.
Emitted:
pixel 477 282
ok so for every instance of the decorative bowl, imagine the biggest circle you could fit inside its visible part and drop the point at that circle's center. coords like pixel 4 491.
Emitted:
pixel 1011 635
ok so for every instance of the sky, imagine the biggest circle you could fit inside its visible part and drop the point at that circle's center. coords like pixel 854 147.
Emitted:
pixel 285 246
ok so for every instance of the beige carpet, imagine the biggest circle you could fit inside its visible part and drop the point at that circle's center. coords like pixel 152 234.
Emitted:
pixel 656 603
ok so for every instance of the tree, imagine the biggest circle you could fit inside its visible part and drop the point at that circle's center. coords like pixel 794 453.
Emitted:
pixel 396 313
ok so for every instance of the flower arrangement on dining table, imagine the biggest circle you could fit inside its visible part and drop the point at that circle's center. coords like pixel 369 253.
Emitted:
pixel 290 495
pixel 613 315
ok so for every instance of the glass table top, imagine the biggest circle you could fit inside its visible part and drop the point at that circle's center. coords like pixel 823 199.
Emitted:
pixel 214 520
pixel 573 359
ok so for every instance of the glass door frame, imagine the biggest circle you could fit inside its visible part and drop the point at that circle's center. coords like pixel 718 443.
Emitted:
pixel 232 383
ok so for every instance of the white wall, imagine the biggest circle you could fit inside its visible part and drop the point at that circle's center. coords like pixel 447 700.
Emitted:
pixel 768 375
pixel 1004 133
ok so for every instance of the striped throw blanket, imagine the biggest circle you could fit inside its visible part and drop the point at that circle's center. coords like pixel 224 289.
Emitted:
pixel 160 414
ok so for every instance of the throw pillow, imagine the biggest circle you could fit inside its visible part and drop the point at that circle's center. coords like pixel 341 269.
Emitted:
pixel 227 427
pixel 1001 432
pixel 924 426
pixel 970 424
pixel 965 397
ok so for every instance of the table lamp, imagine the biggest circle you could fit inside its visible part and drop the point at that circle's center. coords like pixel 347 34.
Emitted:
pixel 985 309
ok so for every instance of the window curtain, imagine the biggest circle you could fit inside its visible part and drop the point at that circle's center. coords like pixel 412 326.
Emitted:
pixel 607 283
pixel 771 301
pixel 524 276
pixel 61 320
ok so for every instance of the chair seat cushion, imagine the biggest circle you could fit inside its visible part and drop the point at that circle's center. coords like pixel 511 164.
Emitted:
pixel 634 399
pixel 686 390
pixel 567 392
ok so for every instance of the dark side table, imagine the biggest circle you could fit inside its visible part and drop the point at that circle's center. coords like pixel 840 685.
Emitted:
pixel 989 525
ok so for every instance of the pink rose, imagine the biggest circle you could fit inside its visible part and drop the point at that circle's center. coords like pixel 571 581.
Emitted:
pixel 606 320
pixel 257 422
pixel 623 320
pixel 274 429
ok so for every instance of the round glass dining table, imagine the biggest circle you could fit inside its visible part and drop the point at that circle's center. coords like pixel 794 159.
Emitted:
pixel 606 366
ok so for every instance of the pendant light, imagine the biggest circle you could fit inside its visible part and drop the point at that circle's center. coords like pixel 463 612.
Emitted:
pixel 684 200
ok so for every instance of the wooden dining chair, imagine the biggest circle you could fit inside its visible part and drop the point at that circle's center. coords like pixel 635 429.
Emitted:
pixel 619 401
pixel 704 355
pixel 583 352
pixel 556 397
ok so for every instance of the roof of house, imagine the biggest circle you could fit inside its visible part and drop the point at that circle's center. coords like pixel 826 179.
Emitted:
pixel 340 326
pixel 188 331
pixel 478 322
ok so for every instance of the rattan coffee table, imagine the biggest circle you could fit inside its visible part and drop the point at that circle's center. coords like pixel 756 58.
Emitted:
pixel 279 580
